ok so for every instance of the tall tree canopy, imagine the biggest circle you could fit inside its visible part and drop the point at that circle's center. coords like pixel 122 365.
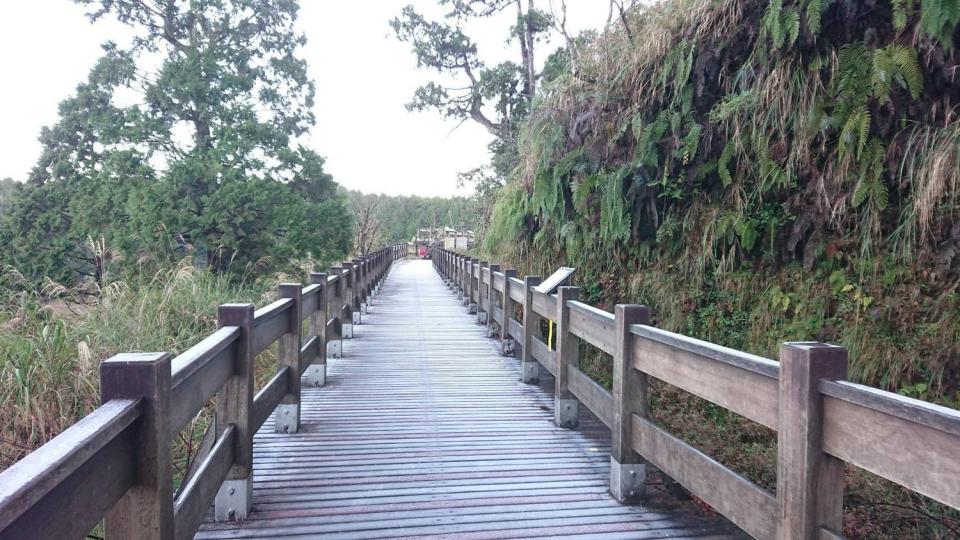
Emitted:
pixel 187 135
pixel 498 97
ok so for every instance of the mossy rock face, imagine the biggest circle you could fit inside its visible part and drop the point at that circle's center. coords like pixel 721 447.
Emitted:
pixel 780 141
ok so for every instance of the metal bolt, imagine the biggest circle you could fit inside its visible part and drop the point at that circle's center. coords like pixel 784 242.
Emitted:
pixel 231 512
pixel 232 491
pixel 633 473
pixel 286 413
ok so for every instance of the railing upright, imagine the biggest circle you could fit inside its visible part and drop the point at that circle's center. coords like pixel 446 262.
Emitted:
pixel 509 307
pixel 628 471
pixel 145 510
pixel 491 301
pixel 316 373
pixel 809 481
pixel 530 368
pixel 234 406
pixel 566 409
pixel 287 416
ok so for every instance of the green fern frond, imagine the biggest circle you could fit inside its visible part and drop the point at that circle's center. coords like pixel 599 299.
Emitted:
pixel 908 65
pixel 723 164
pixel 815 9
pixel 791 25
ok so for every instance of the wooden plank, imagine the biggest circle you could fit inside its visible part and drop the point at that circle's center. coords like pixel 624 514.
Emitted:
pixel 746 361
pixel 593 325
pixel 497 315
pixel 908 452
pixel 270 322
pixel 199 373
pixel 309 352
pixel 748 393
pixel 498 281
pixel 198 493
pixel 913 410
pixel 544 355
pixel 739 500
pixel 81 472
pixel 515 329
pixel 310 299
pixel 516 290
pixel 596 398
pixel 545 305
pixel 269 397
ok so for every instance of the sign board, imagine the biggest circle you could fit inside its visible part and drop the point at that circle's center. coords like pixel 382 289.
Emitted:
pixel 556 279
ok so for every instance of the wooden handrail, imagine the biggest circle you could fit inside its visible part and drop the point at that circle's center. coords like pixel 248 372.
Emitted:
pixel 118 455
pixel 822 420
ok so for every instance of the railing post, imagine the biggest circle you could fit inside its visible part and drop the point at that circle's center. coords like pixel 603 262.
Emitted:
pixel 146 510
pixel 335 308
pixel 809 481
pixel 628 471
pixel 461 279
pixel 316 373
pixel 464 281
pixel 234 406
pixel 356 290
pixel 286 419
pixel 349 317
pixel 529 368
pixel 474 285
pixel 567 407
pixel 509 306
pixel 481 289
pixel 491 302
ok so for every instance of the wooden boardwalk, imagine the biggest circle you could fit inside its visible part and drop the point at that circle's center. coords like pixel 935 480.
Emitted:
pixel 424 430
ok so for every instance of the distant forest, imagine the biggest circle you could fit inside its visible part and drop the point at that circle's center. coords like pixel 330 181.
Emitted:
pixel 382 219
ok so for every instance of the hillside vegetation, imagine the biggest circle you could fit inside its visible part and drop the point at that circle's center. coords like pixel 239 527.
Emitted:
pixel 760 171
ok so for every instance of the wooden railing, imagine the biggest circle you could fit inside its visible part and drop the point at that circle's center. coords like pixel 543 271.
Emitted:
pixel 822 421
pixel 115 464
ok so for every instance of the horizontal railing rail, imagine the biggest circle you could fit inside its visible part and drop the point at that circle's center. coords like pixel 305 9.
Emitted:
pixel 115 464
pixel 822 421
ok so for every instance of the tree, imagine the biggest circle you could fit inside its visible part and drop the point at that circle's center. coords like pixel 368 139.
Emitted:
pixel 7 188
pixel 497 97
pixel 369 223
pixel 208 154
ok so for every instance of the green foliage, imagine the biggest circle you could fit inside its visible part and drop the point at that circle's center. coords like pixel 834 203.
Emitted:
pixel 208 160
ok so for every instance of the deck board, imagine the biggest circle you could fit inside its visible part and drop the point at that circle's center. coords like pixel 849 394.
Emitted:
pixel 424 431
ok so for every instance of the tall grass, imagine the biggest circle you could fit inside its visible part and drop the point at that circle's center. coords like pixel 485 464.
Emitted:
pixel 51 347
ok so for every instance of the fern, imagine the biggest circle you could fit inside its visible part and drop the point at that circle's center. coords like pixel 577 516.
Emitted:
pixel 939 20
pixel 900 13
pixel 871 186
pixel 733 104
pixel 690 143
pixel 723 165
pixel 855 132
pixel 898 63
pixel 614 221
pixel 815 9
pixel 908 65
pixel 781 24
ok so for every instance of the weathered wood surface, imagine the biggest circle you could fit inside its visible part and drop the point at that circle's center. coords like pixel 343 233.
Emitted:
pixel 423 430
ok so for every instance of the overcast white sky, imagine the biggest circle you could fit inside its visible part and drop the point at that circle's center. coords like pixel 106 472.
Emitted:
pixel 364 78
